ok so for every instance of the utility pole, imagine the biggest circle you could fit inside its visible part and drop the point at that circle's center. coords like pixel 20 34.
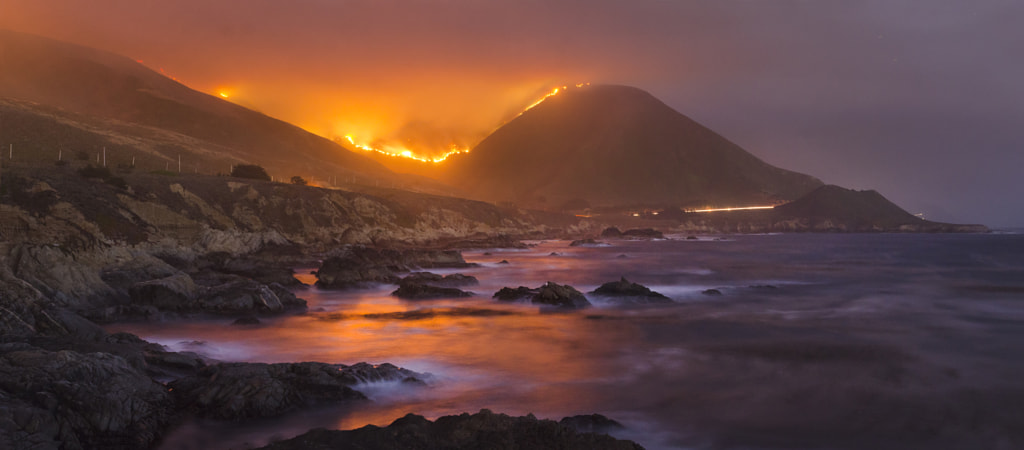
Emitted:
pixel 104 157
pixel 179 163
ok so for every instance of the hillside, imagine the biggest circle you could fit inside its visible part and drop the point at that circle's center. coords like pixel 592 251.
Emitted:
pixel 58 97
pixel 617 146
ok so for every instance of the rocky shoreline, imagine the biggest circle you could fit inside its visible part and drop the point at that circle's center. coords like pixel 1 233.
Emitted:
pixel 75 253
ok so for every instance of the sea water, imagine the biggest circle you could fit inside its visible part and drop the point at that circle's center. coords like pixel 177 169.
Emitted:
pixel 816 341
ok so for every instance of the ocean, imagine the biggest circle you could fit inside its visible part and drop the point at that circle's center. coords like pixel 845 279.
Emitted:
pixel 816 341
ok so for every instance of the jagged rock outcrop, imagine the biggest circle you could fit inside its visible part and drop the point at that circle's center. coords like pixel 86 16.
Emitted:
pixel 550 294
pixel 415 291
pixel 627 291
pixel 426 286
pixel 67 399
pixel 484 429
pixel 234 391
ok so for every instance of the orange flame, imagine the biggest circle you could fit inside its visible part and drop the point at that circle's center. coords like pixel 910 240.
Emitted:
pixel 402 152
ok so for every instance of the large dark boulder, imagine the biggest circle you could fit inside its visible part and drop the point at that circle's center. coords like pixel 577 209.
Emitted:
pixel 484 429
pixel 585 243
pixel 71 400
pixel 172 293
pixel 507 294
pixel 625 290
pixel 234 391
pixel 560 295
pixel 611 232
pixel 245 296
pixel 426 286
pixel 416 291
pixel 550 294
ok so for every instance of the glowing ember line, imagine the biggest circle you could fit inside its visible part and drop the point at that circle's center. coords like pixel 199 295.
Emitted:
pixel 744 208
pixel 453 150
pixel 408 154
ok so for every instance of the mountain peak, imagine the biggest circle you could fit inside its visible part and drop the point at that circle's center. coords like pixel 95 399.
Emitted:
pixel 611 145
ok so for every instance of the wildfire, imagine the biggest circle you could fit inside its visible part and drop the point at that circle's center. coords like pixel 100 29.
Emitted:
pixel 402 152
pixel 406 153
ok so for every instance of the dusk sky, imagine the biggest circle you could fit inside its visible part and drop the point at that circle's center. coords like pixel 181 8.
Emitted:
pixel 920 100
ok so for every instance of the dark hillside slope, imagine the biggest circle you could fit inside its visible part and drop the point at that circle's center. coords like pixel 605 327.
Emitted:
pixel 46 84
pixel 617 146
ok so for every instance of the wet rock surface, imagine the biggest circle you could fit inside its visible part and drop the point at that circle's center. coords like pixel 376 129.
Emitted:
pixel 550 294
pixel 234 391
pixel 484 429
pixel 453 280
pixel 627 291
pixel 426 285
pixel 67 399
pixel 356 265
pixel 585 243
pixel 410 291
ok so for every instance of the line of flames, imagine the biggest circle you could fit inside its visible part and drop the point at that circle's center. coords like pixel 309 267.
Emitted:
pixel 454 149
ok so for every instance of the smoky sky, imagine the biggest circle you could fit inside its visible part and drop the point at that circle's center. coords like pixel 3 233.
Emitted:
pixel 920 100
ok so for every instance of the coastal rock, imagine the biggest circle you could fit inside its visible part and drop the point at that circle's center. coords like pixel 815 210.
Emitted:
pixel 71 400
pixel 712 292
pixel 234 391
pixel 563 296
pixel 484 429
pixel 173 293
pixel 507 294
pixel 419 291
pixel 426 286
pixel 247 296
pixel 642 233
pixel 355 265
pixel 585 243
pixel 611 232
pixel 455 279
pixel 552 294
pixel 625 290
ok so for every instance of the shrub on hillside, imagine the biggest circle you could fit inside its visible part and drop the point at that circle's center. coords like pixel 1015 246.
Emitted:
pixel 251 171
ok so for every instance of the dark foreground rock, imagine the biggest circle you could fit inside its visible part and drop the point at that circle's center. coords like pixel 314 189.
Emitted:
pixel 481 430
pixel 72 400
pixel 234 391
pixel 627 291
pixel 552 294
pixel 355 265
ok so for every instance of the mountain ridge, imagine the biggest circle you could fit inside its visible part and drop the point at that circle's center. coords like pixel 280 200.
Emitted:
pixel 616 145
